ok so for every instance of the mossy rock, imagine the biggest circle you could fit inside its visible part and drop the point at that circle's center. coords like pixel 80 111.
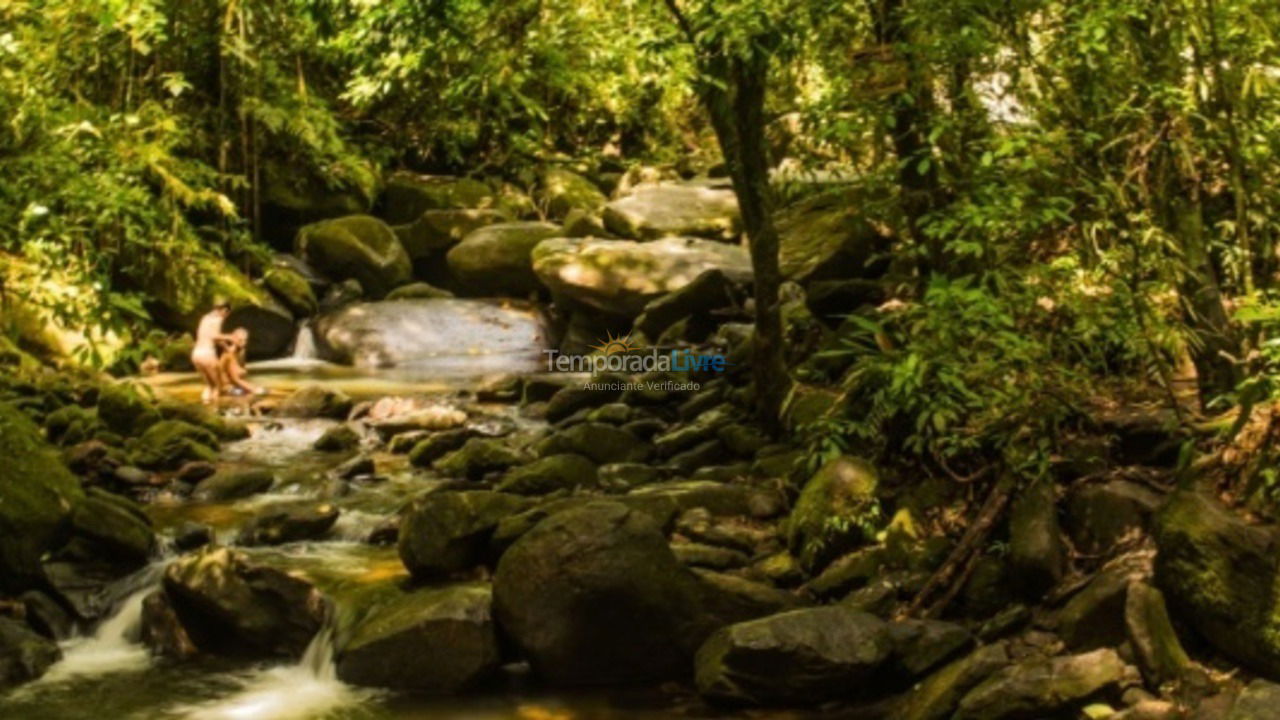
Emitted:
pixel 229 485
pixel 497 260
pixel 36 502
pixel 830 237
pixel 563 191
pixel 601 442
pixel 435 641
pixel 548 474
pixel 170 443
pixel 293 290
pixel 316 401
pixel 419 291
pixel 836 511
pixel 438 230
pixel 446 532
pixel 116 527
pixel 340 438
pixel 359 247
pixel 126 409
pixel 407 196
pixel 24 655
pixel 479 456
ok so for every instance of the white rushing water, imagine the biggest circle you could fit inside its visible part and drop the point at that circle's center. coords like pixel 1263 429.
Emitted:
pixel 114 647
pixel 309 689
pixel 304 348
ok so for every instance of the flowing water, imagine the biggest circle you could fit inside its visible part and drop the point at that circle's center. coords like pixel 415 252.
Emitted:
pixel 107 673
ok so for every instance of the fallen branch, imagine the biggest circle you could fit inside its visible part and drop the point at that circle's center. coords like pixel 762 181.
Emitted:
pixel 953 573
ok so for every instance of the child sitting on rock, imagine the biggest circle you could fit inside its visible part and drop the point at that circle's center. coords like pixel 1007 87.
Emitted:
pixel 231 365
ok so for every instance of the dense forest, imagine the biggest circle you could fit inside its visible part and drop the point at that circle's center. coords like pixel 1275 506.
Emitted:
pixel 638 359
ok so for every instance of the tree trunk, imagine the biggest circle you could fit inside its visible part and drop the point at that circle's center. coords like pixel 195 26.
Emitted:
pixel 737 115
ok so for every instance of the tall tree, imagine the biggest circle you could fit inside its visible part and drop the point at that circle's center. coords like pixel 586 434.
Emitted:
pixel 734 46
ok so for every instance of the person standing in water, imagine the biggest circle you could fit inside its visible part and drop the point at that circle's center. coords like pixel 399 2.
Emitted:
pixel 205 354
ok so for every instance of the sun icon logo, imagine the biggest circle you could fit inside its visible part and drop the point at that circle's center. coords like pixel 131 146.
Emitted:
pixel 614 345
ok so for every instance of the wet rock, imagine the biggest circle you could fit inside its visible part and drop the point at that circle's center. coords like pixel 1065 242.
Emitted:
pixel 132 477
pixel 360 466
pixel 1100 516
pixel 548 474
pixel 71 424
pixel 436 446
pixel 780 568
pixel 432 640
pixel 438 230
pixel 843 488
pixel 125 408
pixel 442 533
pixel 698 457
pixel 46 616
pixel 668 210
pixel 1094 617
pixel 621 277
pixel 403 443
pixel 1155 643
pixel 1036 550
pixel 24 655
pixel 1040 688
pixel 612 413
pixel 505 336
pixel 600 442
pixel 430 416
pixel 195 471
pixel 478 457
pixel 200 416
pixel 936 697
pixel 234 485
pixel 799 657
pixel 170 443
pixel 593 595
pixel 116 528
pixel 1218 574
pixel 191 535
pixel 316 401
pixel 230 604
pixel 162 629
pixel 293 524
pixel 922 645
pixel 340 438
pixel 341 294
pixel 358 247
pixel 39 494
pixel 699 430
pixel 496 260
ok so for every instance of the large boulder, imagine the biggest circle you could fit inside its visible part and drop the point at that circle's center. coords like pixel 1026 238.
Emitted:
pixel 35 503
pixel 293 289
pixel 294 195
pixel 454 336
pixel 446 532
pixel 1219 575
pixel 478 457
pixel 357 247
pixel 496 260
pixel 179 300
pixel 554 472
pixel 230 604
pixel 830 237
pixel 619 277
pixel 24 655
pixel 673 210
pixel 439 230
pixel 292 524
pixel 407 196
pixel 431 640
pixel 834 511
pixel 563 191
pixel 1040 688
pixel 116 529
pixel 593 595
pixel 804 656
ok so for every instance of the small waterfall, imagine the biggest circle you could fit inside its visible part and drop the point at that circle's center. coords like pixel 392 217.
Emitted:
pixel 308 689
pixel 115 646
pixel 304 348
